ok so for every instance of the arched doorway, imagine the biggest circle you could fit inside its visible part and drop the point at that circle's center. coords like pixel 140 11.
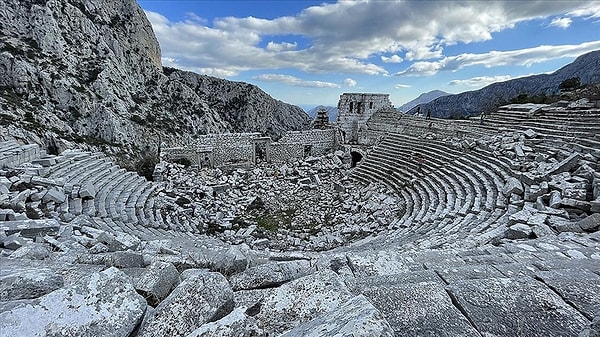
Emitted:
pixel 356 158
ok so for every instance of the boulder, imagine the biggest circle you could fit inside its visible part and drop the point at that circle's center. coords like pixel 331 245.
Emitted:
pixel 203 298
pixel 513 185
pixel 301 300
pixel 28 283
pixel 356 317
pixel 591 223
pixel 101 304
pixel 157 281
pixel 236 324
pixel 271 274
pixel 32 251
pixel 518 231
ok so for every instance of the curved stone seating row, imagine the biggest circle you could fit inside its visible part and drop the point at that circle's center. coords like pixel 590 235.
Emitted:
pixel 454 194
pixel 580 127
pixel 122 199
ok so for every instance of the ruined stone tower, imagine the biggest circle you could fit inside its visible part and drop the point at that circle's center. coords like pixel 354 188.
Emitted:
pixel 321 120
pixel 355 109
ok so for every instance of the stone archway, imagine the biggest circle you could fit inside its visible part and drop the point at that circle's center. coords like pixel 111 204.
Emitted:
pixel 356 158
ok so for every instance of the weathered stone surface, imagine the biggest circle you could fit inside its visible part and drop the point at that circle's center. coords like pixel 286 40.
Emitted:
pixel 102 304
pixel 518 231
pixel 31 228
pixel 271 274
pixel 590 223
pixel 426 309
pixel 357 317
pixel 513 185
pixel 236 324
pixel 565 165
pixel 203 298
pixel 27 283
pixel 118 241
pixel 32 251
pixel 301 300
pixel 157 281
pixel 579 287
pixel 470 271
pixel 511 307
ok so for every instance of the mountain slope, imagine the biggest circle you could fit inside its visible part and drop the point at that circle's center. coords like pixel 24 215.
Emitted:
pixel 89 72
pixel 332 112
pixel 423 98
pixel 586 67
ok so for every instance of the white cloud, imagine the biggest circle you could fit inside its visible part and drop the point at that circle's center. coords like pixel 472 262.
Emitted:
pixel 294 81
pixel 350 82
pixel 342 37
pixel 522 57
pixel 561 22
pixel 401 86
pixel 392 59
pixel 284 46
pixel 481 81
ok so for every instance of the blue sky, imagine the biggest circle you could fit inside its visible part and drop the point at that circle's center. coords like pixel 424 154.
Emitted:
pixel 310 52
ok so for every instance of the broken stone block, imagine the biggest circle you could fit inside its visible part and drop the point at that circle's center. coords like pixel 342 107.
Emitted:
pixel 54 194
pixel 565 165
pixel 530 134
pixel 126 260
pixel 26 283
pixel 271 274
pixel 87 191
pixel 198 300
pixel 101 304
pixel 555 199
pixel 31 228
pixel 7 215
pixel 591 223
pixel 31 251
pixel 518 231
pixel 357 317
pixel 156 283
pixel 118 241
pixel 573 203
pixel 513 185
pixel 520 217
pixel 14 241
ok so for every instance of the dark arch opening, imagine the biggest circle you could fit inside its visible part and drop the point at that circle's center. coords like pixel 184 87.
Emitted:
pixel 356 158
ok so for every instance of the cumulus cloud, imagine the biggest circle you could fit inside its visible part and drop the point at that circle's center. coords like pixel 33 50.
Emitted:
pixel 295 81
pixel 481 81
pixel 561 22
pixel 342 37
pixel 392 59
pixel 350 82
pixel 401 86
pixel 522 57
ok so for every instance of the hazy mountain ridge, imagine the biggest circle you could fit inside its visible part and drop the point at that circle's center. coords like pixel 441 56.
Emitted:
pixel 423 98
pixel 586 67
pixel 89 72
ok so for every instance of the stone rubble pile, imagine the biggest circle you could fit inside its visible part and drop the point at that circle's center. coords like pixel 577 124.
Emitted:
pixel 308 205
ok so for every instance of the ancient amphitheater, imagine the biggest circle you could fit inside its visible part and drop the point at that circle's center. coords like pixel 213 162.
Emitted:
pixel 479 227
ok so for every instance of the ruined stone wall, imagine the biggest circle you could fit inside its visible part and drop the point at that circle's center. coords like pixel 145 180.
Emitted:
pixel 355 109
pixel 285 152
pixel 320 141
pixel 229 148
pixel 13 156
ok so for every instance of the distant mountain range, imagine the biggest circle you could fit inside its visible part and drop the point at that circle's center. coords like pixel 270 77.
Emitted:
pixel 423 98
pixel 586 67
pixel 331 111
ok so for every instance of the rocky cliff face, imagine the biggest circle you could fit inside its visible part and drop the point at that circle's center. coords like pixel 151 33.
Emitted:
pixel 89 72
pixel 586 67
